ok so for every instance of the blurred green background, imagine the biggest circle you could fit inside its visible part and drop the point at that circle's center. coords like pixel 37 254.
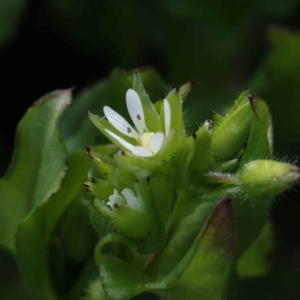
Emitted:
pixel 224 46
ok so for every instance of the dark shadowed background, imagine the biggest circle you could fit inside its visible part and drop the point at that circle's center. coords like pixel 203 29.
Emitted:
pixel 223 45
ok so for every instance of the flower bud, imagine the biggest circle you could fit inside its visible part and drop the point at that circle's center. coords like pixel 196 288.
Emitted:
pixel 202 148
pixel 186 88
pixel 230 135
pixel 259 133
pixel 264 179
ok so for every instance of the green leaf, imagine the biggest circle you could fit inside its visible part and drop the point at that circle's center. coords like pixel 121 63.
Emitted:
pixel 38 165
pixel 180 241
pixel 205 270
pixel 256 261
pixel 11 13
pixel 277 82
pixel 250 219
pixel 34 233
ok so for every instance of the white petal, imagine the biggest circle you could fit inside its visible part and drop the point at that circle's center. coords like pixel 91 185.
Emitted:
pixel 135 110
pixel 167 111
pixel 119 122
pixel 132 200
pixel 120 140
pixel 116 199
pixel 157 141
pixel 141 151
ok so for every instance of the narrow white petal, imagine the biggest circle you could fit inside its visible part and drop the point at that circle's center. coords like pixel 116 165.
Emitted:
pixel 135 110
pixel 132 200
pixel 119 122
pixel 141 151
pixel 116 200
pixel 167 111
pixel 120 140
pixel 157 141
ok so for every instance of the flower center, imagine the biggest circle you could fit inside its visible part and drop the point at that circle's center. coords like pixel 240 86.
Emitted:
pixel 146 139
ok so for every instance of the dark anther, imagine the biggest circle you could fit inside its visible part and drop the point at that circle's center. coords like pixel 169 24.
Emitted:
pixel 192 82
pixel 250 97
pixel 194 135
pixel 177 90
pixel 129 129
pixel 138 117
pixel 148 178
pixel 94 180
pixel 116 205
pixel 123 153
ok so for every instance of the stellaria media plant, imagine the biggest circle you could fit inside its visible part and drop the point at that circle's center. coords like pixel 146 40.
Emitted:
pixel 161 210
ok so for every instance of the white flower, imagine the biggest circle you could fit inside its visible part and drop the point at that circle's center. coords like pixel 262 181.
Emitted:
pixel 128 199
pixel 149 142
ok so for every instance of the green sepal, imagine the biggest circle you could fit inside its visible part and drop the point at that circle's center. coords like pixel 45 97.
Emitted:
pixel 186 88
pixel 133 223
pixel 175 100
pixel 265 179
pixel 227 166
pixel 151 116
pixel 103 209
pixel 102 189
pixel 163 195
pixel 259 133
pixel 217 118
pixel 201 158
pixel 103 124
pixel 230 135
pixel 241 100
pixel 99 169
pixel 122 179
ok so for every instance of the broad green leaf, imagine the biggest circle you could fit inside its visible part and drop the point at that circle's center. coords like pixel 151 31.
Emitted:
pixel 180 241
pixel 38 164
pixel 205 270
pixel 34 233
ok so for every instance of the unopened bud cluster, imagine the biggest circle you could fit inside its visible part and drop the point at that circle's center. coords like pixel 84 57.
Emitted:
pixel 155 173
